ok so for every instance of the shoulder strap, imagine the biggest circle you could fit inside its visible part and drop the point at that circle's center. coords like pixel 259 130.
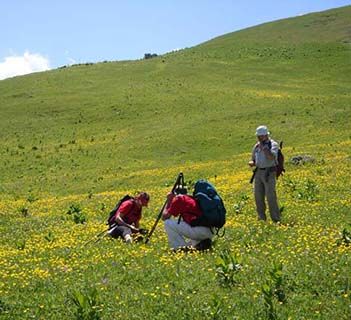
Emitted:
pixel 179 218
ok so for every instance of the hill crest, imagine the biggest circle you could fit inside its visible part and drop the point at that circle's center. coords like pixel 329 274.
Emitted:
pixel 333 25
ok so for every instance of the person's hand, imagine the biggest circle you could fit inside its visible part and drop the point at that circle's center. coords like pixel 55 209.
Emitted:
pixel 165 216
pixel 134 229
pixel 251 163
pixel 170 196
pixel 143 231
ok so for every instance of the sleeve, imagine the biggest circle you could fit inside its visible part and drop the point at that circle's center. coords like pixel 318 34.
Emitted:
pixel 274 149
pixel 125 208
pixel 174 208
pixel 253 158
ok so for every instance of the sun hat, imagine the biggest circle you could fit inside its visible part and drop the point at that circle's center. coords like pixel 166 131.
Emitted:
pixel 262 131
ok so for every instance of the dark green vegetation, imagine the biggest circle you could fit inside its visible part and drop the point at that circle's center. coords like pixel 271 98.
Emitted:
pixel 87 134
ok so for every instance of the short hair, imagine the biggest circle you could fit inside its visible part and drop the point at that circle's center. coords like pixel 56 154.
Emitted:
pixel 144 195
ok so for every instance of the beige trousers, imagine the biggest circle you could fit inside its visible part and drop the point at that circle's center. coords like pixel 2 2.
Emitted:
pixel 265 188
pixel 177 233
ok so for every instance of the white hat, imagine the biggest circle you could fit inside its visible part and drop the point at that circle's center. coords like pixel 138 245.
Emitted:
pixel 262 131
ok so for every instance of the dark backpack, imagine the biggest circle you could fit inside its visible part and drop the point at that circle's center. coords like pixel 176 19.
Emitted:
pixel 211 204
pixel 280 161
pixel 111 220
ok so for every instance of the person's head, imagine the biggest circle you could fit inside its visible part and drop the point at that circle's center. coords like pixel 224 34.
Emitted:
pixel 143 198
pixel 262 133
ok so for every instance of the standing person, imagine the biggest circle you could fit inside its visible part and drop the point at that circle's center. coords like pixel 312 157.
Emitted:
pixel 264 158
pixel 127 217
pixel 179 231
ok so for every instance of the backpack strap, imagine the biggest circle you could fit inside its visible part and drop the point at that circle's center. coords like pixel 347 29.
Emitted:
pixel 179 218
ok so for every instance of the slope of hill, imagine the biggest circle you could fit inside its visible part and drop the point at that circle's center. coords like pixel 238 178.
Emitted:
pixel 82 136
pixel 97 121
pixel 330 26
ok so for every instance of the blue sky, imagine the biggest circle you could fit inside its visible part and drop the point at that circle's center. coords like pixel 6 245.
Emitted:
pixel 38 35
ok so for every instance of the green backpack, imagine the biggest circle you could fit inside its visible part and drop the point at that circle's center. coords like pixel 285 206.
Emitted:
pixel 211 204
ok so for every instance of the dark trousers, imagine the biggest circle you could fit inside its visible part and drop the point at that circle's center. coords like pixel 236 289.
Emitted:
pixel 119 231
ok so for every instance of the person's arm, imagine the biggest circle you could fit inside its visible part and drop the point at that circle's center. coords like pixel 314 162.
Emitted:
pixel 271 153
pixel 268 154
pixel 252 162
pixel 121 222
pixel 166 213
pixel 123 211
pixel 267 148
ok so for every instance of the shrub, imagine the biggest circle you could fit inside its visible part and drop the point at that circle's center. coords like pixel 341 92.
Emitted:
pixel 227 267
pixel 76 211
pixel 239 206
pixel 49 237
pixel 86 304
pixel 31 198
pixel 21 244
pixel 24 211
pixel 345 237
pixel 273 290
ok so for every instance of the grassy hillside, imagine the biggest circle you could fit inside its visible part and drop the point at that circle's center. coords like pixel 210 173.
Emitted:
pixel 330 26
pixel 68 127
pixel 87 134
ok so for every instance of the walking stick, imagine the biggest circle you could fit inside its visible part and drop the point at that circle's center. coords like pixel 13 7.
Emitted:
pixel 99 236
pixel 253 175
pixel 179 183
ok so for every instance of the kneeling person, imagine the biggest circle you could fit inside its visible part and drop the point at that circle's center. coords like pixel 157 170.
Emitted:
pixel 177 232
pixel 127 217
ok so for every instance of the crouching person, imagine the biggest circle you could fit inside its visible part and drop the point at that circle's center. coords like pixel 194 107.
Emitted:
pixel 126 220
pixel 179 231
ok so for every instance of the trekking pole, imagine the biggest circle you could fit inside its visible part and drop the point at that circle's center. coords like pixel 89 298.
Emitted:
pixel 179 182
pixel 99 236
pixel 253 175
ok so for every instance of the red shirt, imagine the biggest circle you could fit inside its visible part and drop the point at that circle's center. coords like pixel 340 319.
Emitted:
pixel 130 211
pixel 186 206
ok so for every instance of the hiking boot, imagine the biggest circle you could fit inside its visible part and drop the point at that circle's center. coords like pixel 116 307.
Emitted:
pixel 203 245
pixel 184 249
pixel 139 238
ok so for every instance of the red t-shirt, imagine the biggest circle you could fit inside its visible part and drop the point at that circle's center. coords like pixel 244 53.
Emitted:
pixel 186 206
pixel 130 212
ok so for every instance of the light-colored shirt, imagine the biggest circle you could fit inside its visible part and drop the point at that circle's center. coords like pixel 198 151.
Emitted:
pixel 260 158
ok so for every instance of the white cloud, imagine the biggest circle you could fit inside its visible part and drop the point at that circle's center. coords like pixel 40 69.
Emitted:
pixel 70 60
pixel 19 65
pixel 176 49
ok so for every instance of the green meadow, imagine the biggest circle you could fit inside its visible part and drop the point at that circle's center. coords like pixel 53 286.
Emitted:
pixel 76 139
